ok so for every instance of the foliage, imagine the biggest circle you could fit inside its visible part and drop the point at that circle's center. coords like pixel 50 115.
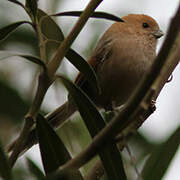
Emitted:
pixel 55 152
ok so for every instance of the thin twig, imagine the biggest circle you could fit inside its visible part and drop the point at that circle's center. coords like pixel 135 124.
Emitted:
pixel 21 140
pixel 43 84
pixel 42 45
pixel 171 63
pixel 45 79
pixel 29 119
pixel 63 48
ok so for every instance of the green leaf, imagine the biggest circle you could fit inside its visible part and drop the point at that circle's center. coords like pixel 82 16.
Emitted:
pixel 51 31
pixel 36 60
pixel 69 174
pixel 112 162
pixel 160 159
pixel 110 155
pixel 87 108
pixel 31 5
pixel 13 105
pixel 54 37
pixel 53 151
pixel 17 2
pixel 5 171
pixel 5 31
pixel 34 169
pixel 102 15
pixel 84 68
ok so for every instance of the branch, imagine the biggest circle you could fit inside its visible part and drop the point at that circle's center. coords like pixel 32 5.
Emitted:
pixel 63 48
pixel 137 108
pixel 45 79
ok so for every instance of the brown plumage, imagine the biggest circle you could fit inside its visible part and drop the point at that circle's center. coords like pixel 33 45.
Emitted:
pixel 121 58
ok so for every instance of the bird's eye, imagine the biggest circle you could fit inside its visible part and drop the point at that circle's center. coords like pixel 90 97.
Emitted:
pixel 145 25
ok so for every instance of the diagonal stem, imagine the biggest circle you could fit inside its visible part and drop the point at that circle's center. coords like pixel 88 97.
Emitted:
pixel 143 93
pixel 63 48
pixel 48 78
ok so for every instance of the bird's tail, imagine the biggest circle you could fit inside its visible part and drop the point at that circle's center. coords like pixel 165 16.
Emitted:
pixel 55 119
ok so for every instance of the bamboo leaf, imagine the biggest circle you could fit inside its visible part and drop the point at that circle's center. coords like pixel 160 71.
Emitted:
pixel 84 68
pixel 112 162
pixel 110 155
pixel 51 32
pixel 36 60
pixel 54 37
pixel 102 15
pixel 31 5
pixel 87 109
pixel 14 106
pixel 69 174
pixel 34 169
pixel 5 171
pixel 53 151
pixel 17 2
pixel 5 31
pixel 159 161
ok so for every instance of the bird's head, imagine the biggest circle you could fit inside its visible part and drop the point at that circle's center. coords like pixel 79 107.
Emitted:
pixel 145 23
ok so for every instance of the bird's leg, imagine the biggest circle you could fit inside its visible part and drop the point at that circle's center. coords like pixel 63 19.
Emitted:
pixel 117 109
pixel 111 111
pixel 114 108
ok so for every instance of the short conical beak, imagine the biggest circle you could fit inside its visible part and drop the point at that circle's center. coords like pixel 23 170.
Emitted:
pixel 157 34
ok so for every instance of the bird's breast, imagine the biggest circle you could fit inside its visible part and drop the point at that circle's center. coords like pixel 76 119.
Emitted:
pixel 120 74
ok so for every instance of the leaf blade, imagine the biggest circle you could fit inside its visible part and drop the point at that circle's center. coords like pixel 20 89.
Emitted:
pixel 82 65
pixel 34 169
pixel 5 31
pixel 5 170
pixel 110 155
pixel 102 15
pixel 91 112
pixel 55 38
pixel 34 59
pixel 32 7
pixel 17 2
pixel 46 22
pixel 161 157
pixel 51 35
pixel 53 151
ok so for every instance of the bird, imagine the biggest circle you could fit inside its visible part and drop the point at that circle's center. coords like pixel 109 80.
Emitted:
pixel 123 55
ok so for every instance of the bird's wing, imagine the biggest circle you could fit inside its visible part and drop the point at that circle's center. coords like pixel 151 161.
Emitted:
pixel 100 54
